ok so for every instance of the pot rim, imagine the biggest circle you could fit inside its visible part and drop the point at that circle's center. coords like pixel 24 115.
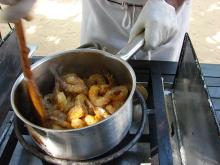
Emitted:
pixel 56 55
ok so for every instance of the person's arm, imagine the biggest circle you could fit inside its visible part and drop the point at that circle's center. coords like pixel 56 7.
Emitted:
pixel 175 3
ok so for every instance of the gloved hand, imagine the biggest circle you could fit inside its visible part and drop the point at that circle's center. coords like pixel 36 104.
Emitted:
pixel 16 9
pixel 158 20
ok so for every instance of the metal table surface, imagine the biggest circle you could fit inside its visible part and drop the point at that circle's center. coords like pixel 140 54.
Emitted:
pixel 211 73
pixel 10 68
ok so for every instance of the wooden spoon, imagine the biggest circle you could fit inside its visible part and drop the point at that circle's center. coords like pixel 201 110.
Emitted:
pixel 32 87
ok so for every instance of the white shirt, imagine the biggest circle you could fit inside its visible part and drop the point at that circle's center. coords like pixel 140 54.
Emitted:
pixel 109 24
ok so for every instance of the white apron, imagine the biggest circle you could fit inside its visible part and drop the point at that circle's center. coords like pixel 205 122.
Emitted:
pixel 109 24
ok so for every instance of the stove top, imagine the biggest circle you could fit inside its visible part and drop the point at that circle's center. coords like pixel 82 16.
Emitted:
pixel 163 139
pixel 144 151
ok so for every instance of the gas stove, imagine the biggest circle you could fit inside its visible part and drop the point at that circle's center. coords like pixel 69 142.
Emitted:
pixel 169 131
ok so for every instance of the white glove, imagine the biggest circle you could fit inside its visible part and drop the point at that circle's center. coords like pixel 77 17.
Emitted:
pixel 16 9
pixel 158 20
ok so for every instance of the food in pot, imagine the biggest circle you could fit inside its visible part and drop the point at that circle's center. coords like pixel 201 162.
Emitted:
pixel 96 79
pixel 71 83
pixel 98 95
pixel 113 106
pixel 77 102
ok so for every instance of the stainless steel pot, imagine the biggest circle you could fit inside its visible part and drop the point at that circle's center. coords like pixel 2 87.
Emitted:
pixel 91 141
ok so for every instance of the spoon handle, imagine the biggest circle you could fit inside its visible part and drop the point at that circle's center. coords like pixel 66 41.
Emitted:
pixel 32 87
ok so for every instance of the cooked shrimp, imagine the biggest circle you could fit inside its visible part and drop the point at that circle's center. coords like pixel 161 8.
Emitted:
pixel 71 78
pixel 97 95
pixel 55 126
pixel 48 102
pixel 96 79
pixel 78 123
pixel 114 106
pixel 73 105
pixel 82 100
pixel 61 123
pixel 111 79
pixel 58 114
pixel 90 119
pixel 61 101
pixel 100 112
pixel 73 84
pixel 110 108
pixel 118 93
pixel 59 118
pixel 70 103
pixel 76 112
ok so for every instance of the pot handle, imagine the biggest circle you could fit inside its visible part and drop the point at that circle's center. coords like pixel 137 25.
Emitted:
pixel 132 47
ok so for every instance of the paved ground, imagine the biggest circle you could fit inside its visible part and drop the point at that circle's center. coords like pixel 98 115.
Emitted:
pixel 56 27
pixel 205 30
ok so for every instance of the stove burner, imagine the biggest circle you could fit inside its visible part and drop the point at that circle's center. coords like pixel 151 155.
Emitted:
pixel 116 152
